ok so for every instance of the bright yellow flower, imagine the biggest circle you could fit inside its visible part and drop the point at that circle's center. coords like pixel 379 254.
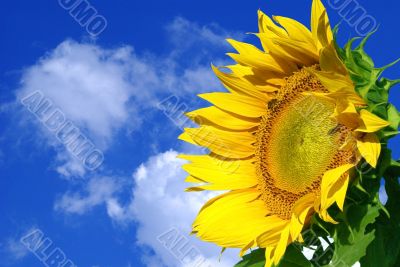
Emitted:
pixel 283 141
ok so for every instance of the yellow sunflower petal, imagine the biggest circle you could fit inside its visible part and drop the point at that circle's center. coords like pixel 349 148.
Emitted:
pixel 271 236
pixel 293 51
pixel 340 194
pixel 232 145
pixel 346 114
pixel 344 96
pixel 253 76
pixel 237 104
pixel 325 36
pixel 266 25
pixel 297 31
pixel 330 62
pixel 282 245
pixel 370 148
pixel 332 81
pixel 246 248
pixel 337 192
pixel 240 86
pixel 371 122
pixel 276 81
pixel 233 219
pixel 240 70
pixel 300 215
pixel 329 179
pixel 187 138
pixel 191 179
pixel 219 173
pixel 218 118
pixel 326 217
pixel 269 256
pixel 249 55
pixel 320 24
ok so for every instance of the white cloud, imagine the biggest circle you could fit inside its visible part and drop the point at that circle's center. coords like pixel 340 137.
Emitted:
pixel 187 35
pixel 160 205
pixel 87 83
pixel 68 164
pixel 92 88
pixel 98 191
pixel 103 91
pixel 14 249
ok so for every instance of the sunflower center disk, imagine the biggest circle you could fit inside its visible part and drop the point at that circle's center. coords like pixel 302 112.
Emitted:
pixel 301 144
pixel 297 142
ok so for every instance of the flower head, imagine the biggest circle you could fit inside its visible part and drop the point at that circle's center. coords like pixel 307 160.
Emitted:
pixel 283 141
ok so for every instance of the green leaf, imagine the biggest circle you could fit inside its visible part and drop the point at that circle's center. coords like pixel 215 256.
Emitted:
pixel 388 167
pixel 385 161
pixel 384 251
pixel 293 258
pixel 322 256
pixel 254 259
pixel 351 237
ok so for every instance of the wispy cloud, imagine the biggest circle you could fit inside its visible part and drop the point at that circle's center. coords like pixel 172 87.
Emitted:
pixel 98 191
pixel 11 248
pixel 14 249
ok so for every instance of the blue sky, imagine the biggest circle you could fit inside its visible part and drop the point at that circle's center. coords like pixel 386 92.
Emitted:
pixel 110 88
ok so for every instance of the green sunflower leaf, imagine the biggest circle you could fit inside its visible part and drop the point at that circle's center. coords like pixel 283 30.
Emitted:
pixel 385 249
pixel 254 259
pixel 293 258
pixel 385 161
pixel 352 237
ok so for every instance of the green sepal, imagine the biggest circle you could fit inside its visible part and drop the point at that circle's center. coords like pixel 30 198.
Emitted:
pixel 369 84
pixel 393 116
pixel 362 71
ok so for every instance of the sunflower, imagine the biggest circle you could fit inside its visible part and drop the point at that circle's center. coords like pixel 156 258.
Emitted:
pixel 283 142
